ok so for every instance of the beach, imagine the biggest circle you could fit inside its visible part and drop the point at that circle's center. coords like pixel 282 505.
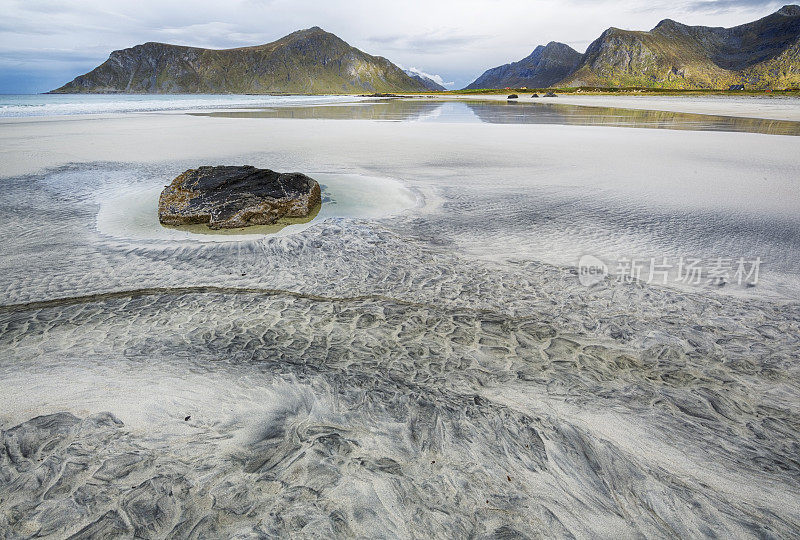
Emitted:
pixel 421 358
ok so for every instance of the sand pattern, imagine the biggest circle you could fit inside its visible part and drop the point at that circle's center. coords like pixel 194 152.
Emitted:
pixel 373 378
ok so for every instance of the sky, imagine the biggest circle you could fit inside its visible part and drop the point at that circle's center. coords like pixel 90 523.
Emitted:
pixel 46 43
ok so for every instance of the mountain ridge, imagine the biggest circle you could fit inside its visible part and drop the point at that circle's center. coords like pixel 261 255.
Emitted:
pixel 761 54
pixel 758 54
pixel 545 66
pixel 429 83
pixel 308 61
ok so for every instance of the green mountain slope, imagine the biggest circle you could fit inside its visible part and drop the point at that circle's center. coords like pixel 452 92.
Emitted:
pixel 761 54
pixel 308 61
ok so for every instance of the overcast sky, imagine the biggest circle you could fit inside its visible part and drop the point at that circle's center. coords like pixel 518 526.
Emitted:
pixel 45 43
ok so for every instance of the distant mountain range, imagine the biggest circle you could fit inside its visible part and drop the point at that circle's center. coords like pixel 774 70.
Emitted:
pixel 544 67
pixel 429 83
pixel 758 55
pixel 309 61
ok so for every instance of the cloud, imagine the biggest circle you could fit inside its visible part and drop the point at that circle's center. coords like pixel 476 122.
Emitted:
pixel 34 56
pixel 438 42
pixel 215 35
pixel 693 8
pixel 435 78
pixel 721 6
pixel 456 39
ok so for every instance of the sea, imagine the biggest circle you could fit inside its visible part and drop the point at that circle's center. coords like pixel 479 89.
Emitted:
pixel 25 105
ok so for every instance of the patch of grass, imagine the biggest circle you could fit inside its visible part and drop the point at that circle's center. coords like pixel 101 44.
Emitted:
pixel 633 90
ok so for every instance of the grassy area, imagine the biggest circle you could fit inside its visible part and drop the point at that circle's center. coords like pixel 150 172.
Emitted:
pixel 619 91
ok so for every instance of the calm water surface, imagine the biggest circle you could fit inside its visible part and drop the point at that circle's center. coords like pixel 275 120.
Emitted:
pixel 511 112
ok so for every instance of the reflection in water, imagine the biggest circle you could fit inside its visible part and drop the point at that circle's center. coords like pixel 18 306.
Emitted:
pixel 556 113
pixel 278 226
pixel 385 109
pixel 499 112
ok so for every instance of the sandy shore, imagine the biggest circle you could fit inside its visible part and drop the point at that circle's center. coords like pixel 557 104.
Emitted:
pixel 670 164
pixel 635 170
pixel 428 368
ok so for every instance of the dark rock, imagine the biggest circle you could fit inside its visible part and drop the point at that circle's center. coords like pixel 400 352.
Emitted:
pixel 513 96
pixel 550 94
pixel 237 196
pixel 535 96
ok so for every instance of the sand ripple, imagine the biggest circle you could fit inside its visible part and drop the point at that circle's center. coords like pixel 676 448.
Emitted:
pixel 367 378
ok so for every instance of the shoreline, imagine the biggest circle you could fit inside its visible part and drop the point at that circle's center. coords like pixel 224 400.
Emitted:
pixel 738 105
pixel 696 174
pixel 761 107
pixel 325 370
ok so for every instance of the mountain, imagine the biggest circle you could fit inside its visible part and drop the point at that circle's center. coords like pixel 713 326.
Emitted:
pixel 761 54
pixel 544 67
pixel 429 83
pixel 307 61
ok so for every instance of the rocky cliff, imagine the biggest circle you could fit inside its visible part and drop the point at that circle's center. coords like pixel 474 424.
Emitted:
pixel 544 67
pixel 308 61
pixel 761 54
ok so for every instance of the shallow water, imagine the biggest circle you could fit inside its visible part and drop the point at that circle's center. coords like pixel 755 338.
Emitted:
pixel 513 112
pixel 133 213
pixel 424 362
pixel 38 105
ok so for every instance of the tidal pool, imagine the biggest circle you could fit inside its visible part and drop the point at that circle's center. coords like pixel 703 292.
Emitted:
pixel 133 214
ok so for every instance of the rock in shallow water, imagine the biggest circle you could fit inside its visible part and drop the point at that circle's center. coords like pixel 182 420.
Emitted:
pixel 230 197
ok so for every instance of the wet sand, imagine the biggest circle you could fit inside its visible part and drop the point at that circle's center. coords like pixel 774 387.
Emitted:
pixel 496 111
pixel 767 107
pixel 437 369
